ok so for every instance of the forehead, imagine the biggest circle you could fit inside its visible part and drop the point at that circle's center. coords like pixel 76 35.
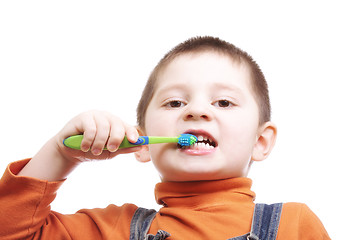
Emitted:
pixel 203 69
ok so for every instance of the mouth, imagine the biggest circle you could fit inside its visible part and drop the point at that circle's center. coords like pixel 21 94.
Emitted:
pixel 205 141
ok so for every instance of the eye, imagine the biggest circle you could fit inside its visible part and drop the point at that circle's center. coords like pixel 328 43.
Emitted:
pixel 223 103
pixel 175 104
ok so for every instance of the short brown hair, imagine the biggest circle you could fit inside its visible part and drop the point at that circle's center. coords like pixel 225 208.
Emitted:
pixel 202 44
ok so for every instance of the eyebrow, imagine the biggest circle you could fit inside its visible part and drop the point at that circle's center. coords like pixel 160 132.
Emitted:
pixel 178 86
pixel 221 86
pixel 217 86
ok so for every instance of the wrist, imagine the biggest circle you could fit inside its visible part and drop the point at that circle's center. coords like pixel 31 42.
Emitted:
pixel 49 163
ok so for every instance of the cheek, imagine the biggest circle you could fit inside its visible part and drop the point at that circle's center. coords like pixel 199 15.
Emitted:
pixel 160 123
pixel 239 133
pixel 157 124
pixel 161 156
pixel 157 127
pixel 152 122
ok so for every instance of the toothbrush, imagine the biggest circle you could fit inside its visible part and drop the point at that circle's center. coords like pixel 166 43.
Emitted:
pixel 74 142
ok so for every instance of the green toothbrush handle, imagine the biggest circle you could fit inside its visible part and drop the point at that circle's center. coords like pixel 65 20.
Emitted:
pixel 74 142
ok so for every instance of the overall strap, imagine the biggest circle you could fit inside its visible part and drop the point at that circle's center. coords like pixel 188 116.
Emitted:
pixel 265 221
pixel 140 225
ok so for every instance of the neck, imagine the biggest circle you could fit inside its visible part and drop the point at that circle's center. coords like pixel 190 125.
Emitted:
pixel 204 192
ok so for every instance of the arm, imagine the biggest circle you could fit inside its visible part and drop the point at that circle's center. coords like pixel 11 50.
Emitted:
pixel 28 187
pixel 311 226
pixel 55 161
pixel 25 212
pixel 299 222
pixel 22 202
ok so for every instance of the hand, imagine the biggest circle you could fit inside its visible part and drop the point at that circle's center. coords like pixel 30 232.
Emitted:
pixel 100 129
pixel 55 161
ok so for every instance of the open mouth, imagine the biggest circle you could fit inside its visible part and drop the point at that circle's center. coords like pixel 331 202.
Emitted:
pixel 205 141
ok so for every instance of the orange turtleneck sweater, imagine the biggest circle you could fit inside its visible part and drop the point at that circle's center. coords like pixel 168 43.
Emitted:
pixel 191 210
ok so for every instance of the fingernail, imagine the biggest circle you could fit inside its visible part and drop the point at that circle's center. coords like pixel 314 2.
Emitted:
pixel 132 137
pixel 111 148
pixel 96 151
pixel 85 148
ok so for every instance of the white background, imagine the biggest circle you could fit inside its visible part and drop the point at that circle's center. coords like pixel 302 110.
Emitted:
pixel 60 58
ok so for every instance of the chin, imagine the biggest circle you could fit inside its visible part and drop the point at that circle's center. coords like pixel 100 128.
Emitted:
pixel 199 175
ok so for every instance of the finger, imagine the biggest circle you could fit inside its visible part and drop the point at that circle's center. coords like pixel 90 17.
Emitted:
pixel 102 134
pixel 88 128
pixel 110 155
pixel 132 133
pixel 126 150
pixel 117 133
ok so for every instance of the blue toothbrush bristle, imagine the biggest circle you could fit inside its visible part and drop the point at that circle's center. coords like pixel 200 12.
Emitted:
pixel 187 139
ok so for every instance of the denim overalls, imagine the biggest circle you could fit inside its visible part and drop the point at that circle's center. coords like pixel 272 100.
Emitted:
pixel 264 226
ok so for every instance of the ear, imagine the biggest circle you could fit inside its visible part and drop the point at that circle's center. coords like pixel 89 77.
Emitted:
pixel 265 142
pixel 143 155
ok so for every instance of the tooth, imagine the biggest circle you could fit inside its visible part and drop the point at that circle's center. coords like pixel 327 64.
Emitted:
pixel 209 146
pixel 200 138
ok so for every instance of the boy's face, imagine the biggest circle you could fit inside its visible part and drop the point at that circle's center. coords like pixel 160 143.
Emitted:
pixel 208 95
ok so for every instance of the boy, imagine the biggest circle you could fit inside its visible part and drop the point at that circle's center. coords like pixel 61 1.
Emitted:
pixel 206 87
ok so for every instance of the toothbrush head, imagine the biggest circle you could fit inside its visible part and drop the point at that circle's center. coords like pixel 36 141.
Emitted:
pixel 187 139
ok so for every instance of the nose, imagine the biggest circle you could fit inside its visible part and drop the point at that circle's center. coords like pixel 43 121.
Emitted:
pixel 197 112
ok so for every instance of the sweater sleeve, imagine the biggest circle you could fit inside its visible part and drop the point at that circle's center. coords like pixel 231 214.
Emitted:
pixel 299 222
pixel 26 214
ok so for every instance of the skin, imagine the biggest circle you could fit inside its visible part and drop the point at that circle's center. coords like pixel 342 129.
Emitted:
pixel 54 161
pixel 205 94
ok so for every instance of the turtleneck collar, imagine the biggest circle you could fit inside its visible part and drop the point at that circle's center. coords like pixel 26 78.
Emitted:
pixel 196 194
